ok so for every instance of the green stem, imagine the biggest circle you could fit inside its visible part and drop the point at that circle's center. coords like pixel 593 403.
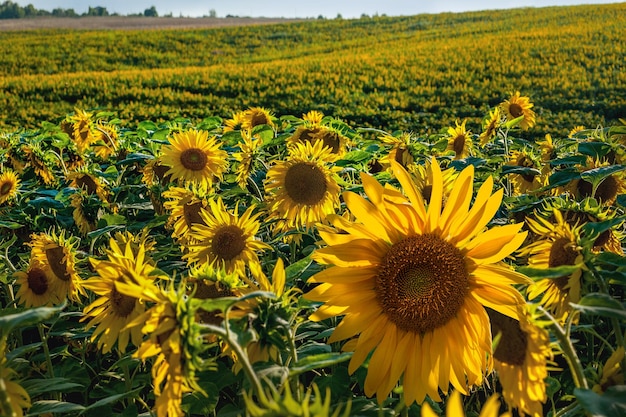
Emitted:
pixel 568 349
pixel 46 350
pixel 568 409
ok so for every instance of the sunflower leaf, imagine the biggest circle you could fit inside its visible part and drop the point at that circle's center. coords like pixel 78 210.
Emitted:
pixel 549 273
pixel 321 360
pixel 12 318
pixel 512 123
pixel 594 149
pixel 224 303
pixel 602 305
pixel 610 404
pixel 111 399
pixel 51 406
pixel 512 169
pixel 597 175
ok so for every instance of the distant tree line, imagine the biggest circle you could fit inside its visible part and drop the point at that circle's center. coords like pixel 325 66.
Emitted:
pixel 10 10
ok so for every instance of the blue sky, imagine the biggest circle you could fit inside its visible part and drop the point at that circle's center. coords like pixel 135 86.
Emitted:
pixel 291 8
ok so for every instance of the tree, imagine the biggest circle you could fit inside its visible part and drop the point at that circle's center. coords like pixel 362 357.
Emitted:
pixel 151 12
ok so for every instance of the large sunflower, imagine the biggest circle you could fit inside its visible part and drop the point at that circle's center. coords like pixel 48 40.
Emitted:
pixel 55 253
pixel 412 282
pixel 520 359
pixel 302 190
pixel 36 287
pixel 9 184
pixel 557 245
pixel 459 140
pixel 112 311
pixel 225 240
pixel 194 158
pixel 518 106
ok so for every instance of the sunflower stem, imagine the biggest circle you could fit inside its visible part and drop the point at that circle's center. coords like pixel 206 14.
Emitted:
pixel 562 335
pixel 46 351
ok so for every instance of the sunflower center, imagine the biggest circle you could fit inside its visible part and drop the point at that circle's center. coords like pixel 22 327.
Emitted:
pixel 37 281
pixel 228 242
pixel 603 238
pixel 399 157
pixel 205 291
pixel 607 190
pixel 516 110
pixel 513 342
pixel 122 304
pixel 57 262
pixel 459 144
pixel 330 140
pixel 194 159
pixel 6 188
pixel 87 183
pixel 422 283
pixel 305 183
pixel 258 118
pixel 191 213
pixel 562 253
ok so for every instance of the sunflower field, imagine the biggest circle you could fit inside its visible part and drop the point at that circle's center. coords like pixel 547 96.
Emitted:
pixel 292 261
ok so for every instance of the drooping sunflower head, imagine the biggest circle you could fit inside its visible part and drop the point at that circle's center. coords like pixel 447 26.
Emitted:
pixel 519 106
pixel 548 149
pixel 302 190
pixel 557 244
pixel 526 182
pixel 184 205
pixel 606 191
pixel 82 129
pixel 400 151
pixel 87 180
pixel 414 279
pixel 249 148
pixel 40 162
pixel 256 116
pixel 521 358
pixel 226 239
pixel 15 398
pixel 154 172
pixel 459 140
pixel 36 287
pixel 611 373
pixel 9 186
pixel 490 126
pixel 85 215
pixel 56 255
pixel 194 158
pixel 106 140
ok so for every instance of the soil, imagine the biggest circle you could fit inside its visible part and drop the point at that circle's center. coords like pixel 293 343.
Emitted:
pixel 134 22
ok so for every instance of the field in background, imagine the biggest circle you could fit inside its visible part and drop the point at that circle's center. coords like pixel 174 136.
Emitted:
pixel 417 73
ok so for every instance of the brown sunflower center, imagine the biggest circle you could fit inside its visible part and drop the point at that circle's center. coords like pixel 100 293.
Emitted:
pixel 6 188
pixel 513 341
pixel 58 262
pixel 607 190
pixel 305 183
pixel 194 159
pixel 228 242
pixel 191 213
pixel 121 304
pixel 562 253
pixel 206 291
pixel 422 283
pixel 399 157
pixel 458 144
pixel 330 140
pixel 259 118
pixel 87 183
pixel 516 110
pixel 37 281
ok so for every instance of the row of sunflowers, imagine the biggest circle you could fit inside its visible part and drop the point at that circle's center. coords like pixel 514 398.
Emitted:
pixel 281 265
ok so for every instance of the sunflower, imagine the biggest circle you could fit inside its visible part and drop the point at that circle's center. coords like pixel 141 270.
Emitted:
pixel 13 398
pixel 520 359
pixel 548 150
pixel 412 282
pixel 525 183
pixel 9 184
pixel 423 180
pixel 154 172
pixel 606 192
pixel 83 215
pixel 86 180
pixel 36 159
pixel 82 129
pixel 313 117
pixel 112 311
pixel 36 287
pixel 225 240
pixel 518 106
pixel 490 126
pixel 106 140
pixel 577 129
pixel 459 140
pixel 314 132
pixel 246 158
pixel 184 206
pixel 194 158
pixel 557 245
pixel 256 116
pixel 400 151
pixel 454 407
pixel 56 255
pixel 233 123
pixel 302 190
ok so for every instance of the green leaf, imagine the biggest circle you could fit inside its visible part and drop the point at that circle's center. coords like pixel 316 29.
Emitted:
pixel 99 232
pixel 612 403
pixel 9 224
pixel 512 169
pixel 563 177
pixel 11 318
pixel 601 304
pixel 597 175
pixel 594 149
pixel 297 268
pixel 322 360
pixel 51 406
pixel 113 219
pixel 224 303
pixel 596 228
pixel 111 399
pixel 549 273
pixel 36 387
pixel 512 123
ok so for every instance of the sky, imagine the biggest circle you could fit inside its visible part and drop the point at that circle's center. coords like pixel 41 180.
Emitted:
pixel 296 8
